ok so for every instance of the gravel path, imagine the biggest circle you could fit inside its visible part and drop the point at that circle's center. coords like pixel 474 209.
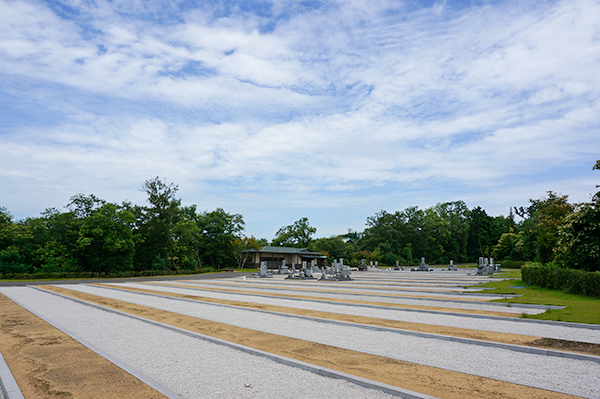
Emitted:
pixel 458 304
pixel 580 377
pixel 191 367
pixel 250 284
pixel 494 325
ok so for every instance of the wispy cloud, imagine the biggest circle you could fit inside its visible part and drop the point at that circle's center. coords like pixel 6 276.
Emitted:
pixel 298 107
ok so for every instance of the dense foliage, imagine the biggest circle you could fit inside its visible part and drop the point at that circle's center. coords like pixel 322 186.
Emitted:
pixel 94 237
pixel 569 280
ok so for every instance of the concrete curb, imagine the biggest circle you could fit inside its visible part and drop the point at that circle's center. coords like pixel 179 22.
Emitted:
pixel 470 341
pixel 475 316
pixel 9 386
pixel 390 389
pixel 165 391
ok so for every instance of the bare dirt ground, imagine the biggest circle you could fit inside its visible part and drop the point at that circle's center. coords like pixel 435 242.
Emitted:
pixel 429 380
pixel 46 363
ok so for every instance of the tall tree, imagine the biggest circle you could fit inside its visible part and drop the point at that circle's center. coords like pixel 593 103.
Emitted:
pixel 155 223
pixel 296 235
pixel 105 243
pixel 219 232
pixel 578 243
pixel 547 216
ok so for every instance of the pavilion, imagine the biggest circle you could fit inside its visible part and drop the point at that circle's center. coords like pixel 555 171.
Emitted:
pixel 274 256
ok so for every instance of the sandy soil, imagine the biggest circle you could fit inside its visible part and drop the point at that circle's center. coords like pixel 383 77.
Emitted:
pixel 46 363
pixel 429 380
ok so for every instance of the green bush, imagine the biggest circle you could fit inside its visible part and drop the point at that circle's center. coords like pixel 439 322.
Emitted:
pixel 559 278
pixel 512 264
pixel 121 274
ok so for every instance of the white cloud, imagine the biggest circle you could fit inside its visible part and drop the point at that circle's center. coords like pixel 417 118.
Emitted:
pixel 344 104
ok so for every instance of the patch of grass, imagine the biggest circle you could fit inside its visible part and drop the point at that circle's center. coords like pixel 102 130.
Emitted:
pixel 578 308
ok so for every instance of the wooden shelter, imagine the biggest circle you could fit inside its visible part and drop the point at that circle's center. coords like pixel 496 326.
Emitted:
pixel 274 256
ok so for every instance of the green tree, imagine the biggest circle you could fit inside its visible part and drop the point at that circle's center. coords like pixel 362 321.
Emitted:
pixel 55 241
pixel 14 241
pixel 83 205
pixel 578 243
pixel 244 243
pixel 154 224
pixel 333 247
pixel 105 243
pixel 219 232
pixel 296 235
pixel 547 216
pixel 455 220
pixel 507 247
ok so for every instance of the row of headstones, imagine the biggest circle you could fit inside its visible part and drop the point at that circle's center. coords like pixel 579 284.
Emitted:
pixel 487 266
pixel 338 271
pixel 423 267
pixel 371 266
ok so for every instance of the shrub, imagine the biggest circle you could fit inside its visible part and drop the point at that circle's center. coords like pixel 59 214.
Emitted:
pixel 512 264
pixel 568 280
pixel 121 274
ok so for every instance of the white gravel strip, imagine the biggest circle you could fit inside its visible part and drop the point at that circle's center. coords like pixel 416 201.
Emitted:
pixel 249 284
pixel 576 376
pixel 571 333
pixel 191 367
pixel 449 303
pixel 437 275
pixel 360 282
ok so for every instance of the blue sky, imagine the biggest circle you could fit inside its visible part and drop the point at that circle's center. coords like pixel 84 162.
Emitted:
pixel 277 110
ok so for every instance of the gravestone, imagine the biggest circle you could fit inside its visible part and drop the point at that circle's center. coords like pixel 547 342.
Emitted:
pixel 452 267
pixel 283 269
pixel 485 267
pixel 423 267
pixel 363 264
pixel 263 271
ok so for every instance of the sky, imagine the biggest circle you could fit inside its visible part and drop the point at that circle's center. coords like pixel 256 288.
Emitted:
pixel 278 110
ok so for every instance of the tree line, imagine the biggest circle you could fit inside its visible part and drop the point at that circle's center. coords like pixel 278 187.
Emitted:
pixel 96 236
pixel 550 231
pixel 100 237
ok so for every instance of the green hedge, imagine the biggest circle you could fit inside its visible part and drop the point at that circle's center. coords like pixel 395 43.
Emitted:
pixel 66 275
pixel 568 280
pixel 511 264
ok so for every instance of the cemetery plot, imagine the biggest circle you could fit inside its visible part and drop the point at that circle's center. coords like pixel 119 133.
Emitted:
pixel 367 328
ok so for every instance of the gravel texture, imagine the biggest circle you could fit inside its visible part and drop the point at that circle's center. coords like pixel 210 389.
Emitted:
pixel 459 293
pixel 453 303
pixel 531 328
pixel 575 376
pixel 191 367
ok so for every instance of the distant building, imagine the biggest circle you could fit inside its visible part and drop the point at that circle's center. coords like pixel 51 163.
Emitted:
pixel 348 240
pixel 275 255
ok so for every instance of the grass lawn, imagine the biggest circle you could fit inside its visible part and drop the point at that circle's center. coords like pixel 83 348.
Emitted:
pixel 578 308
